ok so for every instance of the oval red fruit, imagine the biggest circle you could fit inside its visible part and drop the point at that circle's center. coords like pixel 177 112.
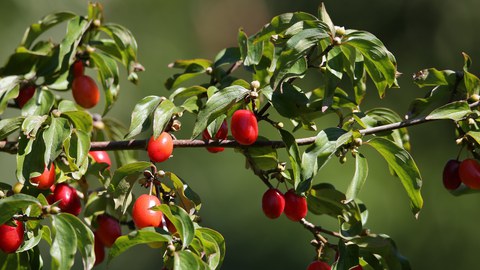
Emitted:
pixel 160 149
pixel 11 237
pixel 25 94
pixel 142 215
pixel 358 267
pixel 319 265
pixel 244 127
pixel 295 206
pixel 68 197
pixel 451 177
pixel 108 229
pixel 46 179
pixel 273 203
pixel 469 172
pixel 101 157
pixel 220 135
pixel 85 91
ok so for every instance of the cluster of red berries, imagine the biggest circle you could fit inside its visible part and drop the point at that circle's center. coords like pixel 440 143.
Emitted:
pixel 274 203
pixel 467 172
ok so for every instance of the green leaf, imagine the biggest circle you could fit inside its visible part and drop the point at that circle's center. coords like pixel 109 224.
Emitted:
pixel 385 247
pixel 404 166
pixel 324 17
pixel 293 155
pixel 140 115
pixel 217 105
pixel 9 88
pixel 17 261
pixel 76 149
pixel 127 46
pixel 14 204
pixel 181 220
pixel 40 104
pixel 317 154
pixel 189 199
pixel 81 120
pixel 206 235
pixel 108 75
pixel 282 23
pixel 192 68
pixel 10 125
pixel 123 181
pixel 34 237
pixel 379 62
pixel 359 178
pixel 84 237
pixel 162 116
pixel 144 236
pixel 115 131
pixel 32 124
pixel 36 29
pixel 186 260
pixel 434 77
pixel 54 136
pixel 64 244
pixel 188 92
pixel 76 28
pixel 265 158
pixel 455 111
pixel 325 199
pixel 250 52
pixel 348 256
pixel 295 48
pixel 227 56
pixel 129 169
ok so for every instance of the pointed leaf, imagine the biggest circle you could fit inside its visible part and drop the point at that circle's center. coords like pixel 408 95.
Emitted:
pixel 85 239
pixel 455 111
pixel 181 220
pixel 54 136
pixel 14 204
pixel 140 115
pixel 10 125
pixel 404 166
pixel 64 244
pixel 162 116
pixel 144 236
pixel 359 178
pixel 293 155
pixel 186 260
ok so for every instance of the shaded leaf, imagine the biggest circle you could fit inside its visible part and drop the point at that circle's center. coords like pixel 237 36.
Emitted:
pixel 140 114
pixel 144 236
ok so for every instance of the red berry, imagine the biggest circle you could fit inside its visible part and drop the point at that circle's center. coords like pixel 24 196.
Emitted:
pixel 469 172
pixel 160 149
pixel 99 249
pixel 85 91
pixel 273 203
pixel 77 68
pixel 451 177
pixel 46 179
pixel 319 265
pixel 244 127
pixel 68 197
pixel 108 229
pixel 101 157
pixel 358 267
pixel 295 206
pixel 142 215
pixel 11 237
pixel 220 135
pixel 25 94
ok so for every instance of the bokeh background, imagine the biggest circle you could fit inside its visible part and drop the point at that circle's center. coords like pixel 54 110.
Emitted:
pixel 421 34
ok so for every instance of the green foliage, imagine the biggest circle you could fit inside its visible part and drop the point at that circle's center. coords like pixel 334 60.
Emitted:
pixel 292 46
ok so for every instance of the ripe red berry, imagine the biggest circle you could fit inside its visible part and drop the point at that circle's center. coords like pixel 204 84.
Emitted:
pixel 295 206
pixel 77 68
pixel 273 203
pixel 68 197
pixel 46 179
pixel 244 127
pixel 160 149
pixel 319 265
pixel 11 237
pixel 142 215
pixel 101 157
pixel 220 135
pixel 108 229
pixel 469 172
pixel 25 94
pixel 358 267
pixel 85 91
pixel 451 177
pixel 99 249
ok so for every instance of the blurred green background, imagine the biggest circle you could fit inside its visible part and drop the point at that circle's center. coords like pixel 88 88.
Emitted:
pixel 421 34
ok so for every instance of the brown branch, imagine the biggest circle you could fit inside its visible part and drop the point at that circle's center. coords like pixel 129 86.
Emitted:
pixel 12 147
pixel 315 230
